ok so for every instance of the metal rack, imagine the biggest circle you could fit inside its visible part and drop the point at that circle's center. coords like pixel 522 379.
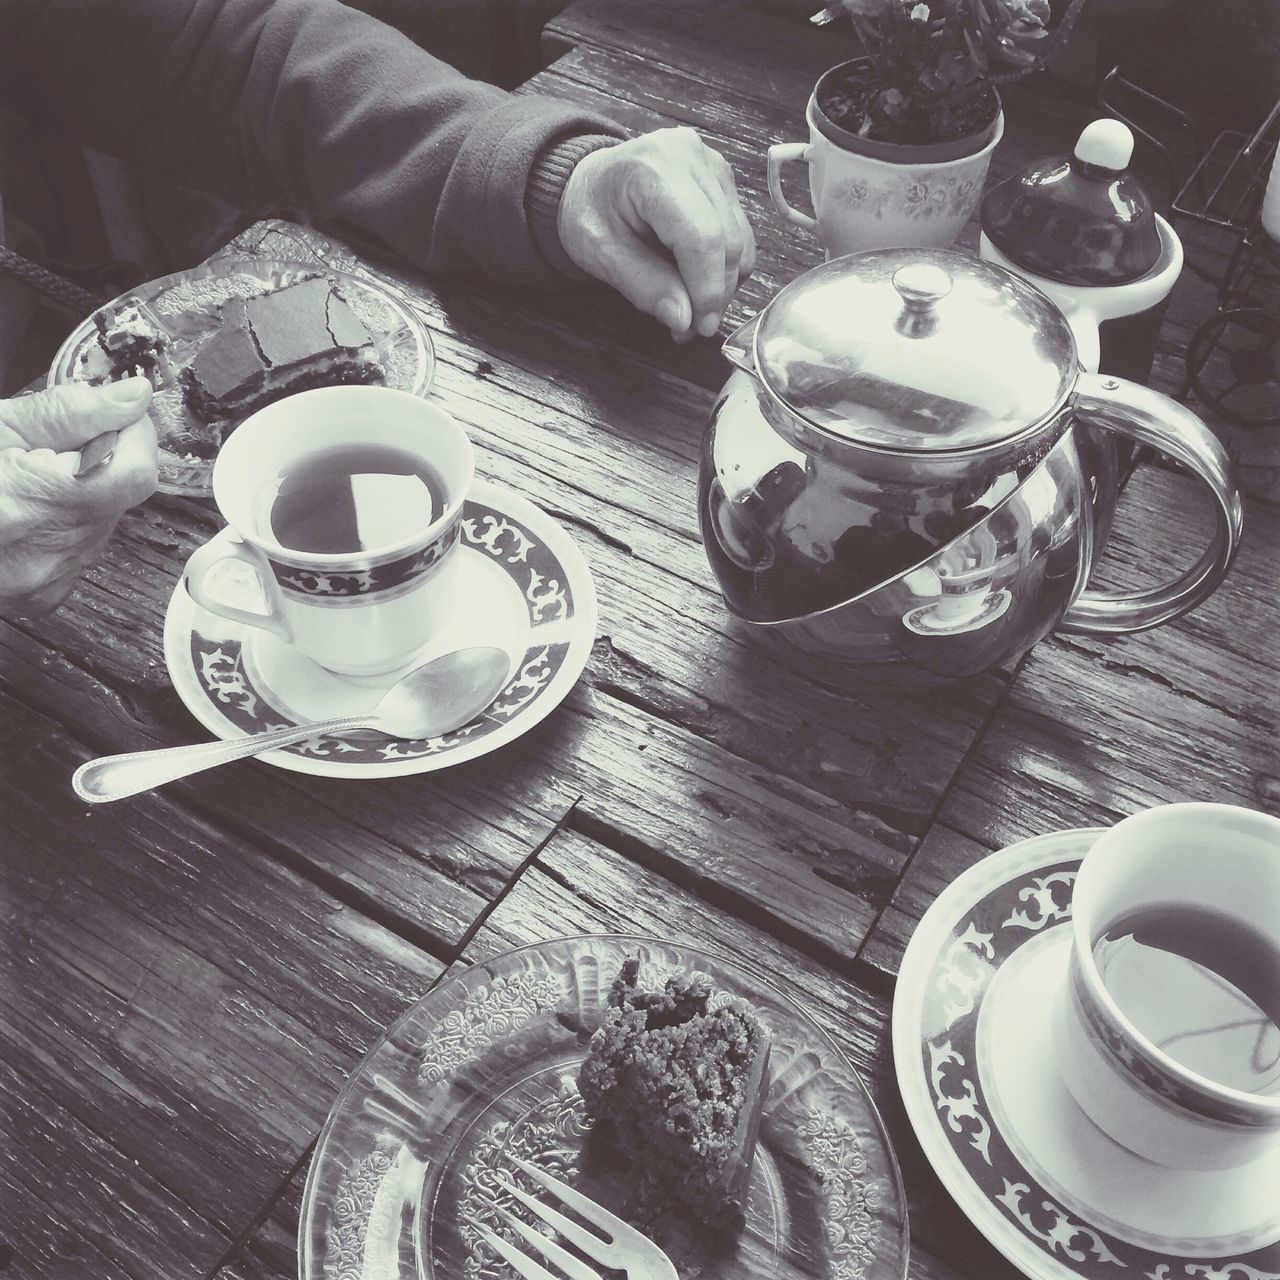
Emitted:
pixel 1233 359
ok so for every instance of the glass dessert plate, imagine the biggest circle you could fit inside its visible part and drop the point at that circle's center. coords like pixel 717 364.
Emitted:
pixel 485 1066
pixel 186 304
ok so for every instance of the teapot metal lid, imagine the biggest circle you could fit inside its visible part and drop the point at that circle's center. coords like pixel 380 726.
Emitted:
pixel 916 351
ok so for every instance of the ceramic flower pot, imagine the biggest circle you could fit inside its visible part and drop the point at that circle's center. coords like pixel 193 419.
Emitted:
pixel 869 194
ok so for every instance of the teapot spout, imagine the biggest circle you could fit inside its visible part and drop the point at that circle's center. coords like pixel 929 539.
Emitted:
pixel 739 347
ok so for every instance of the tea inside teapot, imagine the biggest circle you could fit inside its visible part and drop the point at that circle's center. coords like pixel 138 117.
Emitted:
pixel 808 533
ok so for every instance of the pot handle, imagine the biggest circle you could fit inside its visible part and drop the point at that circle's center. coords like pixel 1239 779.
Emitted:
pixel 1153 419
pixel 780 154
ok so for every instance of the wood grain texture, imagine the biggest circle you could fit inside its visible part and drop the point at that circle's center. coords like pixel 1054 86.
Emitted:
pixel 270 1250
pixel 685 737
pixel 429 853
pixel 176 1012
pixel 1094 729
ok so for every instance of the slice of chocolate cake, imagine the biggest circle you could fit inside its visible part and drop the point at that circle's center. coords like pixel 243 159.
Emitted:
pixel 303 335
pixel 227 367
pixel 680 1086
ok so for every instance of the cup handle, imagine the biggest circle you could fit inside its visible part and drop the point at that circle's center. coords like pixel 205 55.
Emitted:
pixel 780 154
pixel 1150 418
pixel 221 550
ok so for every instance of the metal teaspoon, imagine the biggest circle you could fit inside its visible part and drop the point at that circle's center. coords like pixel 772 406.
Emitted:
pixel 430 700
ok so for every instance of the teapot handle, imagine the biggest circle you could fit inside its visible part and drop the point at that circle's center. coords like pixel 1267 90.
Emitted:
pixel 1153 419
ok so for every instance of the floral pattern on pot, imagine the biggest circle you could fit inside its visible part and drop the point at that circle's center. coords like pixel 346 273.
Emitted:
pixel 911 197
pixel 982 940
pixel 863 202
pixel 219 663
pixel 342 582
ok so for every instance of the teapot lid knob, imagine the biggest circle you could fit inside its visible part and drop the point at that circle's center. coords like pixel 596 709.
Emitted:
pixel 921 285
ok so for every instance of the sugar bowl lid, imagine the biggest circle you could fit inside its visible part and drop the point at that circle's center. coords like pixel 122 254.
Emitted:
pixel 915 351
pixel 1081 219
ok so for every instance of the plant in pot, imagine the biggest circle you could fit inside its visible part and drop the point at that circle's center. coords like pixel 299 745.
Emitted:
pixel 900 139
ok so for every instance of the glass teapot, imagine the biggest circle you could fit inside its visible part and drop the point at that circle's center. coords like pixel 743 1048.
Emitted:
pixel 908 477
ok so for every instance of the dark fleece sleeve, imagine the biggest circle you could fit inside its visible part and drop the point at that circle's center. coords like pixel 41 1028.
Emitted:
pixel 309 104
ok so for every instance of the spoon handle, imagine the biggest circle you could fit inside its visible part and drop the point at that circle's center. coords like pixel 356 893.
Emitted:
pixel 114 777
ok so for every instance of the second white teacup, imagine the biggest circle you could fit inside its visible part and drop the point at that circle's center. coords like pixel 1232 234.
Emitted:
pixel 345 503
pixel 1166 1026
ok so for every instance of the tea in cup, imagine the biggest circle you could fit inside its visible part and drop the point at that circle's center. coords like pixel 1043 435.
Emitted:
pixel 345 503
pixel 1167 1027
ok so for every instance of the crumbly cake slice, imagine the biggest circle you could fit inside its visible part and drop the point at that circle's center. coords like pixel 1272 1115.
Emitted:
pixel 681 1086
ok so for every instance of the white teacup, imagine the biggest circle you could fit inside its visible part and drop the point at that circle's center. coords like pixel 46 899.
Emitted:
pixel 355 612
pixel 1166 866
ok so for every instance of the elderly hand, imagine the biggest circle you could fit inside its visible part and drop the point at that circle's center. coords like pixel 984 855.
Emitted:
pixel 53 524
pixel 658 218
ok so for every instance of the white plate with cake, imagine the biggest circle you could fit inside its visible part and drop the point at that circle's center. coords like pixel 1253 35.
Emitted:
pixel 224 339
pixel 677 1089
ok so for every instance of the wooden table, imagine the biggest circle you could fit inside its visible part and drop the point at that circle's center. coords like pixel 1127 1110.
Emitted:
pixel 188 977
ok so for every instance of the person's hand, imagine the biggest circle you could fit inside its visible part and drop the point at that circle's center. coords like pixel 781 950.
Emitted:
pixel 53 523
pixel 658 218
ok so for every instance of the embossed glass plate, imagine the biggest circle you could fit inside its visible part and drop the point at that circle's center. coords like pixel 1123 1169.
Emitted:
pixel 486 1064
pixel 974 1053
pixel 187 304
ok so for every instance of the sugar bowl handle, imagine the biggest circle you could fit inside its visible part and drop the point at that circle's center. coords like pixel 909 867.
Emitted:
pixel 1153 419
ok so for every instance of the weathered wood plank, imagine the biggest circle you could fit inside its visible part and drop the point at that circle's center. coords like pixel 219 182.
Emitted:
pixel 176 1012
pixel 765 55
pixel 434 853
pixel 77 1208
pixel 1094 729
pixel 270 1252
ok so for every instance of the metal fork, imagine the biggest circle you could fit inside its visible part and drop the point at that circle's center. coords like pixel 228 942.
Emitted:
pixel 623 1249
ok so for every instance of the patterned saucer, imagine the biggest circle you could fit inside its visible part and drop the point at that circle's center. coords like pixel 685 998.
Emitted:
pixel 415 1151
pixel 975 1064
pixel 525 587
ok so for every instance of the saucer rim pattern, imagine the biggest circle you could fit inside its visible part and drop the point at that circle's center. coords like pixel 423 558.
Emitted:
pixel 558 663
pixel 936 952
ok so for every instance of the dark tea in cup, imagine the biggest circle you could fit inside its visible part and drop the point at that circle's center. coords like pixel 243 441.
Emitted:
pixel 1167 1025
pixel 1202 986
pixel 345 503
pixel 361 497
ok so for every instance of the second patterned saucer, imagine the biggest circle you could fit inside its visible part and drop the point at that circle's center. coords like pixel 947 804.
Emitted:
pixel 975 1063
